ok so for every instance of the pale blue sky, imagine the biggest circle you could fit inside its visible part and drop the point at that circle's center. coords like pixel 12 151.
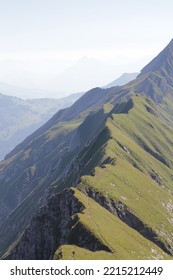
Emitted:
pixel 112 31
pixel 35 25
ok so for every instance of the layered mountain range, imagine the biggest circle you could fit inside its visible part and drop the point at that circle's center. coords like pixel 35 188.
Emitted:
pixel 95 182
pixel 19 117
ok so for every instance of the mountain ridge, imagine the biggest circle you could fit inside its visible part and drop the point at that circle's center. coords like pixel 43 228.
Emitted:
pixel 165 57
pixel 122 80
pixel 82 152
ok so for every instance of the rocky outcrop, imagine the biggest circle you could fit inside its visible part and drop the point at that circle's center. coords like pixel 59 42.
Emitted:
pixel 56 224
pixel 128 217
pixel 48 229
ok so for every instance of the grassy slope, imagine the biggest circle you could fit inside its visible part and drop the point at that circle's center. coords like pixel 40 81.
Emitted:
pixel 123 242
pixel 141 179
pixel 51 146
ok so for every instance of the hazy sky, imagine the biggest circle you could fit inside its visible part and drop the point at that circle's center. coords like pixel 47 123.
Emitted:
pixel 41 38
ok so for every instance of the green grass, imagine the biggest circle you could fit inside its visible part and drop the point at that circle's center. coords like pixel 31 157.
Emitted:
pixel 141 145
pixel 128 162
pixel 61 128
pixel 123 242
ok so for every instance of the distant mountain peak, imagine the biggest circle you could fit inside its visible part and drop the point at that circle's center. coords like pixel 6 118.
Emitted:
pixel 163 61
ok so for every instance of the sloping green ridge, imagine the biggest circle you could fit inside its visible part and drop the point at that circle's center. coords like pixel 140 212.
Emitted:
pixel 127 194
pixel 140 178
pixel 118 154
pixel 122 241
pixel 56 140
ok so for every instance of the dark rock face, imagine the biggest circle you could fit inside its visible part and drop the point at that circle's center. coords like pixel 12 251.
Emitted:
pixel 48 229
pixel 56 224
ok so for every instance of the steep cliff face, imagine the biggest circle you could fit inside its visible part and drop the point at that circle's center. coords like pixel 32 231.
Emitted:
pixel 56 224
pixel 48 229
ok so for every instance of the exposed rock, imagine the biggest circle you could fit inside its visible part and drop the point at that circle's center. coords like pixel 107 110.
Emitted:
pixel 127 216
pixel 56 224
pixel 155 176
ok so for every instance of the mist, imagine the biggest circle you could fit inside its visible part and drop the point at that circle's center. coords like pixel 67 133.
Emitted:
pixel 41 78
